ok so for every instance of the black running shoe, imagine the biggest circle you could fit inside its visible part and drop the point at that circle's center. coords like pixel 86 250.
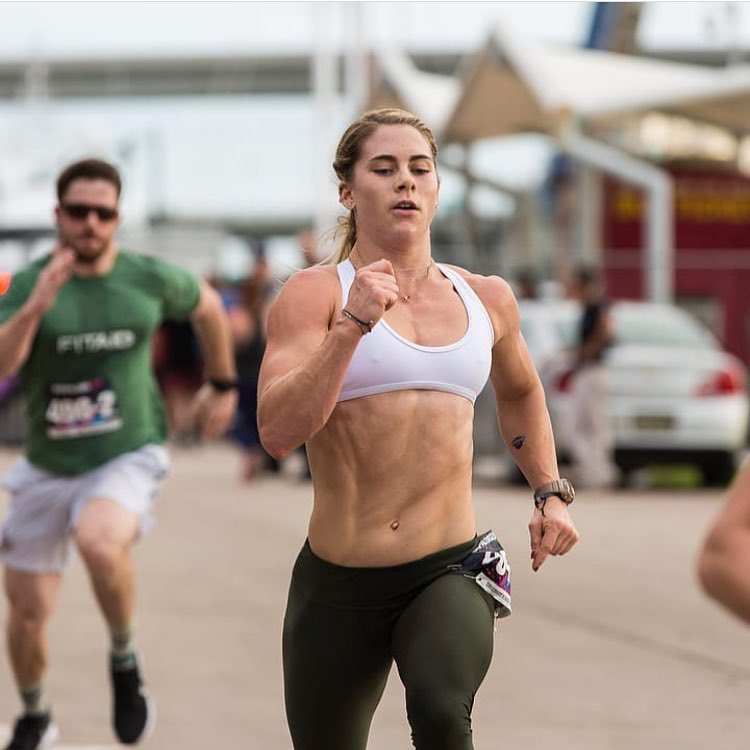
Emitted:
pixel 33 733
pixel 134 714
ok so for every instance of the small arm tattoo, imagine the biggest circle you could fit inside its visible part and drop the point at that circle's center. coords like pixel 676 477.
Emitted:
pixel 518 442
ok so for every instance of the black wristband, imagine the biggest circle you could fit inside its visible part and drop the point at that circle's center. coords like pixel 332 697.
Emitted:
pixel 364 325
pixel 222 385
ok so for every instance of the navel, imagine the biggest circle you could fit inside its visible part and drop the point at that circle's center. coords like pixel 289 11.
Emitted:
pixel 395 525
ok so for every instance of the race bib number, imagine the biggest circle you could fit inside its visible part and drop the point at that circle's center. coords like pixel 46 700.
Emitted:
pixel 488 565
pixel 81 409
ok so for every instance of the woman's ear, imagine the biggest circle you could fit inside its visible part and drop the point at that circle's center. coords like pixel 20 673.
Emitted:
pixel 345 197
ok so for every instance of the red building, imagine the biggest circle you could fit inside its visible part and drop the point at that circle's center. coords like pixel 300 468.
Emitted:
pixel 712 248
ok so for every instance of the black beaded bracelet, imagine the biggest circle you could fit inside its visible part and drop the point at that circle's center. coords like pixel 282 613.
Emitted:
pixel 222 385
pixel 364 326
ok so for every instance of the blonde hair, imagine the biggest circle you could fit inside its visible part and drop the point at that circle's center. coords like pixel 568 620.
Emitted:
pixel 348 153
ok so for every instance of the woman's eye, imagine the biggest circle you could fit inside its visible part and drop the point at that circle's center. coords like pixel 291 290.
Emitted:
pixel 382 170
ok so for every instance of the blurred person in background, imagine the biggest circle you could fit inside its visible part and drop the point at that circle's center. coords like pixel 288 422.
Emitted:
pixel 77 325
pixel 724 558
pixel 591 441
pixel 374 360
pixel 527 284
pixel 247 305
pixel 179 371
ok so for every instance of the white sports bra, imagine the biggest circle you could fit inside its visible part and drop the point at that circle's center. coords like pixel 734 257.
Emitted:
pixel 385 361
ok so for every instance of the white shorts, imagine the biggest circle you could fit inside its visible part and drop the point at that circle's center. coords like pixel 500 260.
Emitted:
pixel 44 508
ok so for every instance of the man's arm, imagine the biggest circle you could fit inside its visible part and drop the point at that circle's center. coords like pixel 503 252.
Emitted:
pixel 18 332
pixel 16 337
pixel 724 558
pixel 524 421
pixel 215 408
pixel 209 320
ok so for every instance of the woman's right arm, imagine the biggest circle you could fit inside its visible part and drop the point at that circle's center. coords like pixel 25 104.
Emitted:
pixel 308 349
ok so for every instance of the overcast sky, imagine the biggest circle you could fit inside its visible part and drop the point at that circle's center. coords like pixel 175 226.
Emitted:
pixel 83 28
pixel 164 143
pixel 60 29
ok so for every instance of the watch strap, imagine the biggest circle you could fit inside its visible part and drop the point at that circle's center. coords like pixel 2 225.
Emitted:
pixel 561 488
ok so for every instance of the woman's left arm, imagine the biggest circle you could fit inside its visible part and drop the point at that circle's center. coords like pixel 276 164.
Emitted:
pixel 524 420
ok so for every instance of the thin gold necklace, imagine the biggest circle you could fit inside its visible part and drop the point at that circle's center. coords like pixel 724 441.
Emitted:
pixel 407 297
pixel 426 269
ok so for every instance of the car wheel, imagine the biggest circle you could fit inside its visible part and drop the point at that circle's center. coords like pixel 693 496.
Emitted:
pixel 624 478
pixel 719 470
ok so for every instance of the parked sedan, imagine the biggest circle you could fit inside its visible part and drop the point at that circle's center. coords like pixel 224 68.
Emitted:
pixel 675 396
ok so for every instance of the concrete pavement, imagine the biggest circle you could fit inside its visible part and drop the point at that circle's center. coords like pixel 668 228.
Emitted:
pixel 611 648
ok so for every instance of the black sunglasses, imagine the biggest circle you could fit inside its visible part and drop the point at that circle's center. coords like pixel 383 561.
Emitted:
pixel 82 211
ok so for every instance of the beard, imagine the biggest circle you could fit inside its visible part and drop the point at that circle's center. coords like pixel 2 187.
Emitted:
pixel 87 248
pixel 88 257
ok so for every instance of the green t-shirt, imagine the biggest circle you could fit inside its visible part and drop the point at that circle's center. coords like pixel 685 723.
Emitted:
pixel 89 385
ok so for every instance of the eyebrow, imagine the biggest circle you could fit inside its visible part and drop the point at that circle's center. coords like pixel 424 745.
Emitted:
pixel 388 157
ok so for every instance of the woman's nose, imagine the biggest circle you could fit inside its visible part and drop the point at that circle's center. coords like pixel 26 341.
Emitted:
pixel 406 181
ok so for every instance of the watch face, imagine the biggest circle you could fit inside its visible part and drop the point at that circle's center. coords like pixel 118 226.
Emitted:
pixel 566 490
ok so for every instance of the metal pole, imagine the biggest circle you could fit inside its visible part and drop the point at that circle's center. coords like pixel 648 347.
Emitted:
pixel 356 80
pixel 659 262
pixel 324 95
pixel 589 214
pixel 660 234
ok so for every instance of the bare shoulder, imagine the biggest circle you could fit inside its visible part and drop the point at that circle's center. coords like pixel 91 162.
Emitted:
pixel 492 290
pixel 320 278
pixel 310 285
pixel 497 297
pixel 308 294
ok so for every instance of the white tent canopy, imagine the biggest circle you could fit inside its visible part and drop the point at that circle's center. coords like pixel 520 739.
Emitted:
pixel 515 85
pixel 518 85
pixel 430 96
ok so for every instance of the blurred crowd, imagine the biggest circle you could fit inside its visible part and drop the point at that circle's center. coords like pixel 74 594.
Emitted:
pixel 179 368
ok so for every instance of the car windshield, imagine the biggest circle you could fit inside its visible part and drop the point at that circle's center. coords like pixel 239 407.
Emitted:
pixel 659 326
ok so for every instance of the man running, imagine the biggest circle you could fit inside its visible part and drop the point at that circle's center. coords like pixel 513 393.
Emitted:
pixel 77 326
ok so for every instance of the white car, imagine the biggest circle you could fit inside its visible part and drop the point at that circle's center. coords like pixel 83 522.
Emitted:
pixel 674 395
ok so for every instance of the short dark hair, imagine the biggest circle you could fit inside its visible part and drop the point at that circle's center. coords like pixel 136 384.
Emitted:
pixel 88 169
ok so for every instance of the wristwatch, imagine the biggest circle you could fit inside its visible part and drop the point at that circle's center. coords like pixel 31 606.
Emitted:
pixel 561 488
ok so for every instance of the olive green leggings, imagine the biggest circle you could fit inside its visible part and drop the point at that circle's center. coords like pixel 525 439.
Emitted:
pixel 343 629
